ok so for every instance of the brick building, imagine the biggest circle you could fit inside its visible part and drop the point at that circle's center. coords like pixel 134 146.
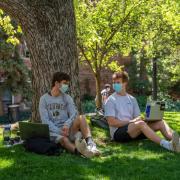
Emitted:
pixel 87 81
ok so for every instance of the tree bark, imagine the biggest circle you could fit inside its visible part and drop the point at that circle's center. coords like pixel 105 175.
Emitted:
pixel 143 69
pixel 154 80
pixel 98 90
pixel 1 107
pixel 49 30
pixel 143 75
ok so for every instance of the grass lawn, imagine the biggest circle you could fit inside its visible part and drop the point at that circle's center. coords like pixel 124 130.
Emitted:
pixel 137 160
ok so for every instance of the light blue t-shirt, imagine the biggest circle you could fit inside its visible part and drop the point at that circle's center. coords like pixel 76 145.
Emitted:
pixel 122 108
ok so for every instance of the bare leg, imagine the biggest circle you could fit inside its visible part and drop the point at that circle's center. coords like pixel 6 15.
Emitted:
pixel 135 128
pixel 81 124
pixel 163 127
pixel 86 147
pixel 65 142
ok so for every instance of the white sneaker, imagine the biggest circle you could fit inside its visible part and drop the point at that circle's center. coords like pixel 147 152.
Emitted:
pixel 82 148
pixel 175 142
pixel 94 149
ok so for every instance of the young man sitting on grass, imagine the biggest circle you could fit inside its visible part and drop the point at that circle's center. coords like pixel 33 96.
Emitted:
pixel 126 124
pixel 58 110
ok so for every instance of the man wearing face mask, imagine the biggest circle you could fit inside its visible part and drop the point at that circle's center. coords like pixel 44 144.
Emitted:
pixel 126 124
pixel 58 110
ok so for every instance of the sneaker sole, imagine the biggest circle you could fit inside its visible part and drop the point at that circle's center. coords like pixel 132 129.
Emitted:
pixel 82 148
pixel 88 154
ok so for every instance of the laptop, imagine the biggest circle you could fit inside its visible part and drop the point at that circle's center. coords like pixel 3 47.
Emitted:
pixel 31 130
pixel 154 111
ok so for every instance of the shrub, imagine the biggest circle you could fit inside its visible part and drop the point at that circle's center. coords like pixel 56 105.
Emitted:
pixel 87 97
pixel 171 104
pixel 142 102
pixel 88 106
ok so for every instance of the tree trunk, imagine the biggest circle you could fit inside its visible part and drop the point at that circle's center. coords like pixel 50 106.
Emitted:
pixel 143 69
pixel 132 71
pixel 1 107
pixel 143 76
pixel 154 79
pixel 98 90
pixel 49 30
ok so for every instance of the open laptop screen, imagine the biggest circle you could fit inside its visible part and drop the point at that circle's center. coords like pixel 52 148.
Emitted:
pixel 31 130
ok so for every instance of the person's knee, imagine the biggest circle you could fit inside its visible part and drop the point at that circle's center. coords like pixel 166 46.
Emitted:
pixel 159 124
pixel 81 118
pixel 162 122
pixel 140 124
pixel 77 123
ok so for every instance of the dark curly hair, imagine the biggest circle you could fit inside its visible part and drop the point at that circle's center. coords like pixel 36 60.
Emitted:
pixel 59 76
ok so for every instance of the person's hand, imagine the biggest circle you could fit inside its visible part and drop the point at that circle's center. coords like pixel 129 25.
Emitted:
pixel 65 131
pixel 139 118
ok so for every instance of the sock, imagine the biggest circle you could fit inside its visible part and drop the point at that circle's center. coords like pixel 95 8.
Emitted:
pixel 166 144
pixel 89 140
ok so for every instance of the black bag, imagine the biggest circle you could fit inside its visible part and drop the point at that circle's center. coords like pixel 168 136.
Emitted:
pixel 43 146
pixel 99 121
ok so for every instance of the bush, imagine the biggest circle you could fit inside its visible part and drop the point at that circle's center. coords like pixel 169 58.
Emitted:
pixel 171 105
pixel 88 106
pixel 142 87
pixel 142 102
pixel 87 97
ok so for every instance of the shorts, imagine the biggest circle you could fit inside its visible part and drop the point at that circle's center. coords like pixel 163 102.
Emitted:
pixel 121 135
pixel 54 137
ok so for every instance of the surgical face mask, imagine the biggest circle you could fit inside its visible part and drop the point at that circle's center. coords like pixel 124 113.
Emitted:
pixel 117 87
pixel 64 88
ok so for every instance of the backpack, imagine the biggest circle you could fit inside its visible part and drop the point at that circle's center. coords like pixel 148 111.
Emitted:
pixel 99 121
pixel 43 146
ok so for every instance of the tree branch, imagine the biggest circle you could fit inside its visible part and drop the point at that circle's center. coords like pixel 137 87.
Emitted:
pixel 115 30
pixel 86 58
pixel 120 24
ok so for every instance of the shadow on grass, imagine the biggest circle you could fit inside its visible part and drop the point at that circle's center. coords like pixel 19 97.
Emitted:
pixel 127 161
pixel 136 160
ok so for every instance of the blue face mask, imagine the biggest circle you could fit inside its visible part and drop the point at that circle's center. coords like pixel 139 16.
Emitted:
pixel 64 88
pixel 117 87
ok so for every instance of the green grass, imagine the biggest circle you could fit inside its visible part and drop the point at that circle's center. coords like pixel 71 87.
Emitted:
pixel 137 160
